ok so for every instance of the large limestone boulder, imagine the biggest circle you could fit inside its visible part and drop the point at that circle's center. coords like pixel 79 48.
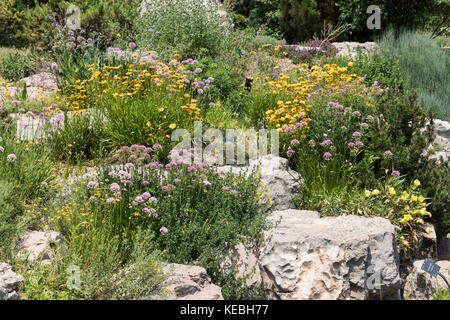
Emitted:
pixel 279 182
pixel 187 283
pixel 421 285
pixel 346 257
pixel 9 281
pixel 38 246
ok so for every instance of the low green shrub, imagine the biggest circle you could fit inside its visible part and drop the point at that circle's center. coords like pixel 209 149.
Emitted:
pixel 16 66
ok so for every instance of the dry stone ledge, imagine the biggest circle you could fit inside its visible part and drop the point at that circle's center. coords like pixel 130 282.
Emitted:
pixel 421 285
pixel 336 258
pixel 282 182
pixel 9 281
pixel 37 246
pixel 187 283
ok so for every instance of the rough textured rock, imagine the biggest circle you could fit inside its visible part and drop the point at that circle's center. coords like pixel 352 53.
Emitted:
pixel 350 49
pixel 40 85
pixel 442 140
pixel 421 285
pixel 37 245
pixel 427 244
pixel 187 283
pixel 347 257
pixel 9 281
pixel 276 176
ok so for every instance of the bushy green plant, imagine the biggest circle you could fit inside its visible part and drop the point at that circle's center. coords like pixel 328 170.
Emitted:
pixel 199 25
pixel 15 66
pixel 194 215
pixel 76 138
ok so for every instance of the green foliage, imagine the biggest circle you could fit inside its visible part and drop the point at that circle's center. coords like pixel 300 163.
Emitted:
pixel 199 25
pixel 396 126
pixel 102 18
pixel 225 86
pixel 15 66
pixel 265 15
pixel 195 217
pixel 435 179
pixel 413 14
pixel 424 66
pixel 299 20
pixel 77 138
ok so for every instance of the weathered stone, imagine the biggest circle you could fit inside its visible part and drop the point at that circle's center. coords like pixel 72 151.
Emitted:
pixel 187 283
pixel 9 281
pixel 441 143
pixel 283 184
pixel 40 85
pixel 427 246
pixel 350 49
pixel 37 246
pixel 330 258
pixel 421 285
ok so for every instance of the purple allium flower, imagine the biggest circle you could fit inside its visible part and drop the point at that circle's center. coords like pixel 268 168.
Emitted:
pixel 356 113
pixel 289 152
pixel 294 142
pixel 388 153
pixel 364 125
pixel 145 182
pixel 110 200
pixel 327 155
pixel 132 45
pixel 11 157
pixel 225 188
pixel 358 144
pixel 129 165
pixel 356 134
pixel 176 180
pixel 163 230
pixel 326 142
pixel 92 184
pixel 115 188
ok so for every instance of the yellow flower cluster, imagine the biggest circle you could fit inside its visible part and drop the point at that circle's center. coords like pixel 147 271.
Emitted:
pixel 407 210
pixel 297 90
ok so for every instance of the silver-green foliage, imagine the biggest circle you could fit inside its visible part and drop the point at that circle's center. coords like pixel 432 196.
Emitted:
pixel 183 25
pixel 425 66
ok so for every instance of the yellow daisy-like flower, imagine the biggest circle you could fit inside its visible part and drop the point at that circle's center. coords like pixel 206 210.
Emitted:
pixel 172 126
pixel 392 191
pixel 416 182
pixel 406 218
pixel 448 235
pixel 375 192
pixel 367 192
